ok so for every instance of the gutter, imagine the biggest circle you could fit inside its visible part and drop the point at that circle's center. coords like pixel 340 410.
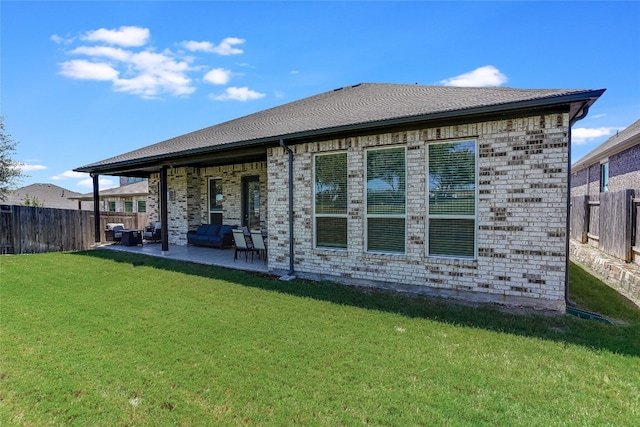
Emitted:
pixel 289 275
pixel 581 115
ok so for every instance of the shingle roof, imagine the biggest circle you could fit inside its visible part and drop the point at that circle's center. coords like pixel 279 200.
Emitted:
pixel 362 105
pixel 49 195
pixel 136 189
pixel 619 142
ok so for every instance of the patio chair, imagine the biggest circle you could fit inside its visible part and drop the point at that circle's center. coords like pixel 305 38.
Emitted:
pixel 242 244
pixel 259 244
pixel 153 233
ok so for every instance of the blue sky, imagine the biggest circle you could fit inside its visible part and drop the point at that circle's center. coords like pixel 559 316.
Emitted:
pixel 82 81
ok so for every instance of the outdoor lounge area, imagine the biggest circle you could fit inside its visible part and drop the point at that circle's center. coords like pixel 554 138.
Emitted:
pixel 197 254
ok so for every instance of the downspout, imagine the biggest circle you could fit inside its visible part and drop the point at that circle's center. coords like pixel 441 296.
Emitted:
pixel 288 150
pixel 585 111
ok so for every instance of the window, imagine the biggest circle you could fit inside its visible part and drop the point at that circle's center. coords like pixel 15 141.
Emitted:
pixel 386 196
pixel 604 177
pixel 330 190
pixel 215 200
pixel 452 199
pixel 112 206
pixel 128 206
pixel 142 206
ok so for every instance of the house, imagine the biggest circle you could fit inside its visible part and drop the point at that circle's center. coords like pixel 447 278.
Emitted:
pixel 612 166
pixel 46 196
pixel 444 191
pixel 126 198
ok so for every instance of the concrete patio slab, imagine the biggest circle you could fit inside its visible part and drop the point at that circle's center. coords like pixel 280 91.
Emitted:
pixel 198 254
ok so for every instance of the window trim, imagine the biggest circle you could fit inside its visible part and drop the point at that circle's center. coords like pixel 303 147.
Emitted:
pixel 392 216
pixel 429 216
pixel 325 215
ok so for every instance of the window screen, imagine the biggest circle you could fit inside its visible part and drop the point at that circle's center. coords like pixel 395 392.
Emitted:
pixel 452 199
pixel 386 200
pixel 330 192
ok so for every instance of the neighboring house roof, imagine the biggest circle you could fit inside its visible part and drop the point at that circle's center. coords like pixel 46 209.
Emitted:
pixel 355 108
pixel 49 195
pixel 130 190
pixel 619 142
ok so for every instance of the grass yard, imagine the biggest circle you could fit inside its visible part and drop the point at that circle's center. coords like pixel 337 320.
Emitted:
pixel 104 338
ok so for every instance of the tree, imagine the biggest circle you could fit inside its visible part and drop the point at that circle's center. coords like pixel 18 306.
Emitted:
pixel 32 201
pixel 10 173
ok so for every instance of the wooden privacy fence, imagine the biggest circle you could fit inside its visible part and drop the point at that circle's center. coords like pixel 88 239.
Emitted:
pixel 609 222
pixel 27 229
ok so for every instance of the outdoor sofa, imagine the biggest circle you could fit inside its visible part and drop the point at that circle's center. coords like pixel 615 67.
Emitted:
pixel 212 235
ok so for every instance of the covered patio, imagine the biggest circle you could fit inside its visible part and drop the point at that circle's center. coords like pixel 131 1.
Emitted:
pixel 198 254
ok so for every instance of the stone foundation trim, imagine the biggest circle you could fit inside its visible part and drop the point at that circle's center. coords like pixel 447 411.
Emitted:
pixel 460 295
pixel 623 277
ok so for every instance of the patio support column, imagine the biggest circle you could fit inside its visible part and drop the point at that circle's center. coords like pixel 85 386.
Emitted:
pixel 96 207
pixel 164 216
pixel 290 154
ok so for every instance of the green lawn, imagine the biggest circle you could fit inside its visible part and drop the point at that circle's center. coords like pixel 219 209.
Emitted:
pixel 103 338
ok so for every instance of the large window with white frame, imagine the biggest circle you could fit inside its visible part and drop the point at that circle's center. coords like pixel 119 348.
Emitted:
pixel 386 200
pixel 330 200
pixel 452 199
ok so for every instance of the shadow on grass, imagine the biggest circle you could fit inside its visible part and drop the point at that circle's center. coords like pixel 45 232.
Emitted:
pixel 567 329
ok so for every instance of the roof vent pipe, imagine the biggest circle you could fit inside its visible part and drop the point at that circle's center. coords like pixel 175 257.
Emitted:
pixel 288 150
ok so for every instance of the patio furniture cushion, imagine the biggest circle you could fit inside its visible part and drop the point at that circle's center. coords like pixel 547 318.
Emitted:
pixel 212 235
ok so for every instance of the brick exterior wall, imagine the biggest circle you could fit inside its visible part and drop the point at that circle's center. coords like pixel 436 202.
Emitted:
pixel 624 173
pixel 190 190
pixel 523 190
pixel 624 170
pixel 521 223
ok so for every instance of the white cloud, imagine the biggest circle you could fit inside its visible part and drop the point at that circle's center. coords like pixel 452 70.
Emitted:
pixel 145 72
pixel 225 48
pixel 24 167
pixel 151 73
pixel 69 175
pixel 480 77
pixel 218 76
pixel 104 183
pixel 124 36
pixel 86 70
pixel 195 46
pixel 61 40
pixel 581 136
pixel 103 51
pixel 238 94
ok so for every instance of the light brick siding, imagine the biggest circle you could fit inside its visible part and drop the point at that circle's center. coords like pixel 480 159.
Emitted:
pixel 190 190
pixel 521 223
pixel 523 167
